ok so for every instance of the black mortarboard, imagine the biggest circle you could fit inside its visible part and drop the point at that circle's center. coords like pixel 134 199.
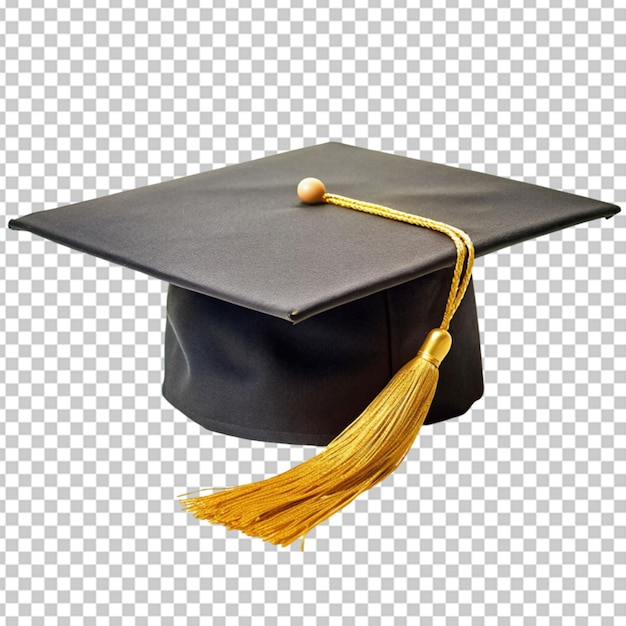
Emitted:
pixel 284 320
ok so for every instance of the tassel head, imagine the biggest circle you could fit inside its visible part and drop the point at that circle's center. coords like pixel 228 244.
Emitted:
pixel 436 346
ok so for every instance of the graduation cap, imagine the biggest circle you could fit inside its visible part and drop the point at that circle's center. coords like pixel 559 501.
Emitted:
pixel 291 318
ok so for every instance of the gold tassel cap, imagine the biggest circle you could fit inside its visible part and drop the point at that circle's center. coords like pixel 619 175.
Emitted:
pixel 436 346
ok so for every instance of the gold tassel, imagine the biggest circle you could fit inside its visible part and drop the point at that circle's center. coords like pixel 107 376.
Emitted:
pixel 284 508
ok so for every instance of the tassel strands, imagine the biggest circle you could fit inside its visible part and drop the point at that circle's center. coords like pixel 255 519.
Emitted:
pixel 284 508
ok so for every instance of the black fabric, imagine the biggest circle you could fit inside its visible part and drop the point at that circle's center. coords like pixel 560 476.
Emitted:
pixel 249 374
pixel 285 320
pixel 240 233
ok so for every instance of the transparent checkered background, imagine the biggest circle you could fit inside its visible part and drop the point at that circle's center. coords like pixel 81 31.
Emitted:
pixel 512 514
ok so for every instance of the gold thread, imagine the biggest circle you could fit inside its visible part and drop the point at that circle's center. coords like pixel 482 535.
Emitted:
pixel 283 508
pixel 429 357
pixel 462 242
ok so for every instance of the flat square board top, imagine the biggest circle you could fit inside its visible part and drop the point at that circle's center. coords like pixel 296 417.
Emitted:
pixel 241 234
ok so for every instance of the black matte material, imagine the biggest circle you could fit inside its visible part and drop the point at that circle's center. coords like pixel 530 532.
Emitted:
pixel 252 375
pixel 285 320
pixel 240 233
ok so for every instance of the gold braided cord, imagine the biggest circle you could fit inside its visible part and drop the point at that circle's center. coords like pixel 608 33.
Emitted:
pixel 462 242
